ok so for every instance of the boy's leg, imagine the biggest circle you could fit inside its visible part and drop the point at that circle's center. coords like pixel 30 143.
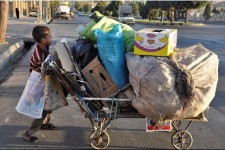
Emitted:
pixel 46 125
pixel 35 126
pixel 47 118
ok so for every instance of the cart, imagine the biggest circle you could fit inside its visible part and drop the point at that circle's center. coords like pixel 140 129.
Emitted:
pixel 101 111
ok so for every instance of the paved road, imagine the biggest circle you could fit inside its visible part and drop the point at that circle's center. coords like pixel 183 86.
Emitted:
pixel 124 133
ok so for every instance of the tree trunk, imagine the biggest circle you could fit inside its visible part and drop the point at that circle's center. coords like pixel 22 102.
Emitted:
pixel 162 16
pixel 40 13
pixel 3 20
pixel 171 16
pixel 186 16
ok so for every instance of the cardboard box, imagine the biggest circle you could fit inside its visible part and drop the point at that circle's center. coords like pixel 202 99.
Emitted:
pixel 155 42
pixel 99 79
pixel 151 125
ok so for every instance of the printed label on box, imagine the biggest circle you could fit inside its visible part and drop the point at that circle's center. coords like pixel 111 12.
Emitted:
pixel 152 125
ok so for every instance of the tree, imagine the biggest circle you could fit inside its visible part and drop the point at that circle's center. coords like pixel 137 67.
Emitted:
pixel 186 5
pixel 101 5
pixel 78 5
pixel 144 11
pixel 173 6
pixel 114 7
pixel 207 12
pixel 87 7
pixel 3 20
pixel 215 11
pixel 135 7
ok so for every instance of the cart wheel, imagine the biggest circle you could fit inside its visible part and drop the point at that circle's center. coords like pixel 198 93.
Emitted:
pixel 182 140
pixel 99 140
pixel 176 125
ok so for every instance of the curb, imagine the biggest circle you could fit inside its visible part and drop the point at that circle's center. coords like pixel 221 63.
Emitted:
pixel 170 24
pixel 8 55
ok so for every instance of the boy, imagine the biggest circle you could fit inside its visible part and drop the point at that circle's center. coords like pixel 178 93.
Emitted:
pixel 42 35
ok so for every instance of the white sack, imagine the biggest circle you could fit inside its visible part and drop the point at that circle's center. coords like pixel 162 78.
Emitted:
pixel 153 82
pixel 32 100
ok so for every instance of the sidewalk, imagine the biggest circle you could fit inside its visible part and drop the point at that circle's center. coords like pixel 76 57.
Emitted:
pixel 72 133
pixel 18 31
pixel 20 28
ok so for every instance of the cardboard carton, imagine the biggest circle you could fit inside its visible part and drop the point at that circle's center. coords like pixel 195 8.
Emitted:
pixel 155 42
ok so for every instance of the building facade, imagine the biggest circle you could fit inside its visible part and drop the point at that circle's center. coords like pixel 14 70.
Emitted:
pixel 43 8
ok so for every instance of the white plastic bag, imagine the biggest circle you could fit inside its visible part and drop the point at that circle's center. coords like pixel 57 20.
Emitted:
pixel 32 100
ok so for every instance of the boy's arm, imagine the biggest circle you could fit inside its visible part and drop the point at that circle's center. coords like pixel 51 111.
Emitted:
pixel 36 61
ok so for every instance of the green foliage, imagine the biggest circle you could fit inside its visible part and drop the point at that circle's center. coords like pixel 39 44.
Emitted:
pixel 54 3
pixel 101 5
pixel 215 10
pixel 207 12
pixel 96 8
pixel 144 11
pixel 135 7
pixel 114 7
pixel 86 7
pixel 148 10
pixel 78 5
pixel 153 14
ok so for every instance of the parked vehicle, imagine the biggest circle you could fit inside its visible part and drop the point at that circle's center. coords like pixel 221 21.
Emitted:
pixel 33 13
pixel 80 14
pixel 63 10
pixel 125 15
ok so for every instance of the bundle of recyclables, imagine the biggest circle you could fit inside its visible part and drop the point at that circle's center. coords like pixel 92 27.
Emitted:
pixel 166 81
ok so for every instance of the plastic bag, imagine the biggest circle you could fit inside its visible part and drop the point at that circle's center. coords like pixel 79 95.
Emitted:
pixel 84 51
pixel 112 54
pixel 32 100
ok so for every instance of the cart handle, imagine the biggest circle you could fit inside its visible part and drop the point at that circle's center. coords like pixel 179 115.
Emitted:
pixel 104 99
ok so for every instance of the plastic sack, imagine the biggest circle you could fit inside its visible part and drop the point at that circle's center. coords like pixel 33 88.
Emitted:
pixel 112 54
pixel 84 51
pixel 82 30
pixel 32 100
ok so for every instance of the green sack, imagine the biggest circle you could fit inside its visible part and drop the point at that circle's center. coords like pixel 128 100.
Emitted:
pixel 106 24
pixel 86 28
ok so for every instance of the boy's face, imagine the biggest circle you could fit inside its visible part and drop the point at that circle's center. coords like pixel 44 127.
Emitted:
pixel 47 40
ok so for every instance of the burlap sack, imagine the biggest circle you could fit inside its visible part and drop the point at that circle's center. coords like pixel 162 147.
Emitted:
pixel 153 81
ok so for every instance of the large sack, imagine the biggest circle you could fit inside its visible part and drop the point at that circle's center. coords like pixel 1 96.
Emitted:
pixel 153 80
pixel 112 54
